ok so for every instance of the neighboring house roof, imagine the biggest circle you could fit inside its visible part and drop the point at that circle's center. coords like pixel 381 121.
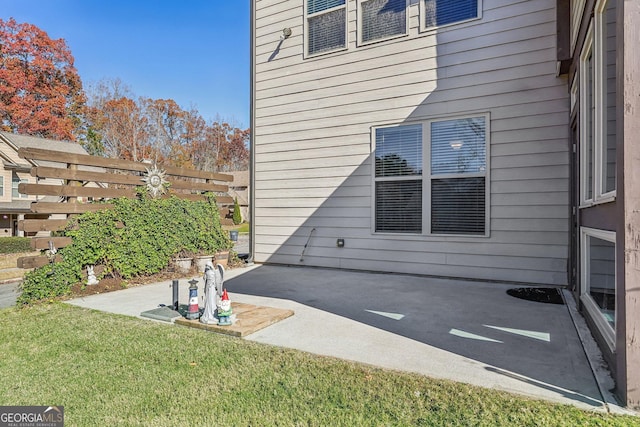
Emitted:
pixel 18 141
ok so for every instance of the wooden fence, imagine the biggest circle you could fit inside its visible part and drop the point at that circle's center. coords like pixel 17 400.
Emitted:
pixel 90 178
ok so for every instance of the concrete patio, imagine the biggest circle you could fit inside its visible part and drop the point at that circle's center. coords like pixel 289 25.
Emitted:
pixel 471 332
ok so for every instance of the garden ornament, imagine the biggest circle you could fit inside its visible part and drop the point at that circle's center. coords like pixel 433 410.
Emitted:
pixel 224 310
pixel 213 279
pixel 91 276
pixel 193 312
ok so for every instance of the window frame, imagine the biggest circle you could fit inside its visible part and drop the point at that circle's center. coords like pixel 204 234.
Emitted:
pixel 595 47
pixel 360 24
pixel 423 17
pixel 585 143
pixel 600 92
pixel 14 187
pixel 1 185
pixel 308 16
pixel 608 333
pixel 427 177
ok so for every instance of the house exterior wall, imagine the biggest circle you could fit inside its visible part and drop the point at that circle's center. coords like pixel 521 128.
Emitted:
pixel 312 141
pixel 628 268
pixel 606 110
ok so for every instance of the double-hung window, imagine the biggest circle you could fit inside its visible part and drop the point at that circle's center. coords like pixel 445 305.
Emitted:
pixel 382 19
pixel 598 108
pixel 1 186
pixel 431 178
pixel 15 182
pixel 437 13
pixel 326 26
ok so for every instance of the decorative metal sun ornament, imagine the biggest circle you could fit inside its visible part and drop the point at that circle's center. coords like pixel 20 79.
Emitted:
pixel 156 182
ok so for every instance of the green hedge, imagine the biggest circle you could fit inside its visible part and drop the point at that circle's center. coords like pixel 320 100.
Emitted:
pixel 136 237
pixel 13 245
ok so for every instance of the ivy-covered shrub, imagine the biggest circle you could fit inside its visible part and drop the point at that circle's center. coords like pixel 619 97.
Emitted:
pixel 14 245
pixel 136 237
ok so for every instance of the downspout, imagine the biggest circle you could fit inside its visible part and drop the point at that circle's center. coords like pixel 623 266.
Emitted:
pixel 252 126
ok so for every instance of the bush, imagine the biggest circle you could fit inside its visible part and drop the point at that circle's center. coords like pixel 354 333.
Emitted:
pixel 237 215
pixel 12 245
pixel 135 237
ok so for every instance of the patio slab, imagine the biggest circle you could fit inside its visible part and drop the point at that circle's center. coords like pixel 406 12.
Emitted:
pixel 250 318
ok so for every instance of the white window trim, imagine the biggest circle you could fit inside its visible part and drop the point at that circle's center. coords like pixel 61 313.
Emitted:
pixel 306 29
pixel 20 195
pixel 395 36
pixel 577 8
pixel 574 94
pixel 584 144
pixel 592 308
pixel 594 45
pixel 600 99
pixel 426 178
pixel 423 16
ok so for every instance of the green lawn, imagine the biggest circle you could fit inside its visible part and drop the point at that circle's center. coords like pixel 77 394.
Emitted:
pixel 114 370
pixel 242 228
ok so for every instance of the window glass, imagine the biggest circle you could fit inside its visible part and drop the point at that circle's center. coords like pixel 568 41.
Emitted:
pixel 399 151
pixel 383 18
pixel 443 12
pixel 314 6
pixel 602 278
pixel 15 181
pixel 326 30
pixel 458 146
pixel 454 182
pixel 609 88
pixel 458 206
pixel 399 206
pixel 590 118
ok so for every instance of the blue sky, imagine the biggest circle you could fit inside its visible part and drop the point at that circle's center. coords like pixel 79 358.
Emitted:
pixel 195 52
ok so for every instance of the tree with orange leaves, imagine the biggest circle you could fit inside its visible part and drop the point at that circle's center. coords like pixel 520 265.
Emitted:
pixel 40 90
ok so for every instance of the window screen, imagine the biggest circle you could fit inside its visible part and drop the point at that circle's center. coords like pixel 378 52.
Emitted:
pixel 399 206
pixel 458 206
pixel 383 18
pixel 315 6
pixel 443 12
pixel 326 30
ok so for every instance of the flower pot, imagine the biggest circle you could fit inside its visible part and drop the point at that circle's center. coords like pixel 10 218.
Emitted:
pixel 222 257
pixel 183 265
pixel 201 261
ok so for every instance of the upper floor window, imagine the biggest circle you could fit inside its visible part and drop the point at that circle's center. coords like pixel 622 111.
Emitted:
pixel 326 25
pixel 598 108
pixel 382 19
pixel 443 12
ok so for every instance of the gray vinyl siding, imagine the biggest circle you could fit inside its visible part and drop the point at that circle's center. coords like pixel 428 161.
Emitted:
pixel 312 141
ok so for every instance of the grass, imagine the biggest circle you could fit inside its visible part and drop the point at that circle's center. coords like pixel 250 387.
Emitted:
pixel 242 228
pixel 115 370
